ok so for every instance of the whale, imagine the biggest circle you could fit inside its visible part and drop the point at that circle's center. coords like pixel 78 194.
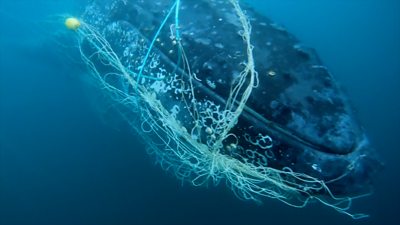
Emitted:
pixel 297 109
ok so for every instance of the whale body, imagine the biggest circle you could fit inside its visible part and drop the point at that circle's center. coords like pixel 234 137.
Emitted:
pixel 297 102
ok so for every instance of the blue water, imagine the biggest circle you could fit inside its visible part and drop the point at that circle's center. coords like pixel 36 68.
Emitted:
pixel 60 164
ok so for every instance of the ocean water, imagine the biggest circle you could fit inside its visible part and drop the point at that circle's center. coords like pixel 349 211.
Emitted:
pixel 61 164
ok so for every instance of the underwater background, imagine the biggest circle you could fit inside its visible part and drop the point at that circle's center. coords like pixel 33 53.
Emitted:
pixel 61 164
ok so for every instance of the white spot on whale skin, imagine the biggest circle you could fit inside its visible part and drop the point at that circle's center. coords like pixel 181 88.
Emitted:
pixel 204 41
pixel 211 84
pixel 219 45
pixel 316 167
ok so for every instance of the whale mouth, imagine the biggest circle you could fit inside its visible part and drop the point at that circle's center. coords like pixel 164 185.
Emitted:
pixel 348 171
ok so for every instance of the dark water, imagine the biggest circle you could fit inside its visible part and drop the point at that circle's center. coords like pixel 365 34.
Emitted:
pixel 59 164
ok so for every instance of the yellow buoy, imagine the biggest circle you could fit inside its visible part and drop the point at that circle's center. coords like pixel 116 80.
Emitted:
pixel 72 23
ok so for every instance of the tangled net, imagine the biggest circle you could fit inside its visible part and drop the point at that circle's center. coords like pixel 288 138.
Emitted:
pixel 190 133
